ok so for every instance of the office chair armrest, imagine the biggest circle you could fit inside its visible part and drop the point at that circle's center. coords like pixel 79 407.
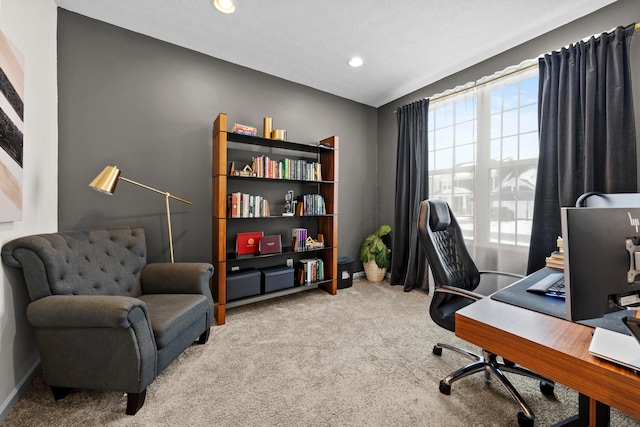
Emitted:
pixel 460 292
pixel 503 273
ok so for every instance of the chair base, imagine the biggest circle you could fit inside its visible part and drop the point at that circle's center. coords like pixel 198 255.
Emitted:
pixel 489 365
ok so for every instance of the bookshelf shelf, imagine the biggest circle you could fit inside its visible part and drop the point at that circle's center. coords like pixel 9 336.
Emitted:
pixel 238 148
pixel 287 252
pixel 255 178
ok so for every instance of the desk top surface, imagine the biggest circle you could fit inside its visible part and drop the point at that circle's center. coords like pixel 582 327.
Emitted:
pixel 551 346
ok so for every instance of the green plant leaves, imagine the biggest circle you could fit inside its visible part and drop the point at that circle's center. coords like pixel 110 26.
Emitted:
pixel 383 230
pixel 374 248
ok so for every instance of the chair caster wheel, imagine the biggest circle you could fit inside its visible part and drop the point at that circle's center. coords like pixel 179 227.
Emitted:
pixel 546 388
pixel 437 350
pixel 523 421
pixel 508 362
pixel 445 388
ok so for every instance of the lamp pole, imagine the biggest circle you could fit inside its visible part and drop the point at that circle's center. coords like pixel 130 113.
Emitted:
pixel 166 199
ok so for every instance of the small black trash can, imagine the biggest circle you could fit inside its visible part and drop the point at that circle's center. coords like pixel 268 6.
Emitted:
pixel 345 272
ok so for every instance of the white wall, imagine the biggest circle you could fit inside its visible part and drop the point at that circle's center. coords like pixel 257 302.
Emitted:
pixel 31 26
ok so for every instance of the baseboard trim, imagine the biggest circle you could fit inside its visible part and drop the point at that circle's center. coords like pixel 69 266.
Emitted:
pixel 18 391
pixel 361 274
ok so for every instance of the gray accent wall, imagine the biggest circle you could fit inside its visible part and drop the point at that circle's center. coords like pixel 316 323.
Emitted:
pixel 622 12
pixel 148 107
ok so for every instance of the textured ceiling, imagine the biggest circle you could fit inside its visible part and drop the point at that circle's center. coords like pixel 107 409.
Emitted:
pixel 405 44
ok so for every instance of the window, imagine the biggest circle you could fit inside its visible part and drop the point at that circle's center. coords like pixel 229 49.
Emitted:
pixel 483 155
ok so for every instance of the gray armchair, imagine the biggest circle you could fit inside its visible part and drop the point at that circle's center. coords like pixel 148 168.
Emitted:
pixel 105 319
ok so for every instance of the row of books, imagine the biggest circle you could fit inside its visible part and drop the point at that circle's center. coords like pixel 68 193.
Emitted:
pixel 311 204
pixel 298 237
pixel 265 167
pixel 243 205
pixel 556 259
pixel 244 129
pixel 309 270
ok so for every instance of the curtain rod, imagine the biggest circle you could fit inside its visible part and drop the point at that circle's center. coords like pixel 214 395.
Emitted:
pixel 475 85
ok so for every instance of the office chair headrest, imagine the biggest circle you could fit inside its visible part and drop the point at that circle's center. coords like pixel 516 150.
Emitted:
pixel 439 218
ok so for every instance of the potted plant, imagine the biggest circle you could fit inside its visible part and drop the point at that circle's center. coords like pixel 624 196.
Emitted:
pixel 375 255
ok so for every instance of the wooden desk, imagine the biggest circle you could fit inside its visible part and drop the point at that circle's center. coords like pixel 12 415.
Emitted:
pixel 555 348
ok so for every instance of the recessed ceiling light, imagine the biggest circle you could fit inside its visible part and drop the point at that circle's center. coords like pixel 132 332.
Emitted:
pixel 224 6
pixel 356 61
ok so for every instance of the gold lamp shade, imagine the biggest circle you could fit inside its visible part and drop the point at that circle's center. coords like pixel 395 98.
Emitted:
pixel 106 181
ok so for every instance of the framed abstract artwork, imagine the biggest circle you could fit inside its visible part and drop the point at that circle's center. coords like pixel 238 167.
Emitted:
pixel 11 130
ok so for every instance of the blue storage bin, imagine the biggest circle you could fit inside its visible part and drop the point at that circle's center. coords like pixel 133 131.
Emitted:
pixel 276 278
pixel 243 283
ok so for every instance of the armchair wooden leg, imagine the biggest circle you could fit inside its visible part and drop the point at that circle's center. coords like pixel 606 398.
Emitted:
pixel 204 337
pixel 60 392
pixel 135 401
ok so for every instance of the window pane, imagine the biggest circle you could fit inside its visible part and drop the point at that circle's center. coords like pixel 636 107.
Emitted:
pixel 441 184
pixel 529 119
pixel 465 110
pixel 510 122
pixel 510 96
pixel 529 146
pixel 496 149
pixel 465 154
pixel 444 138
pixel 529 91
pixel 444 116
pixel 496 101
pixel 444 159
pixel 510 148
pixel 465 133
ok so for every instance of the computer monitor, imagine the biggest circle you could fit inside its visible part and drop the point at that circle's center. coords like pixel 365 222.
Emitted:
pixel 602 260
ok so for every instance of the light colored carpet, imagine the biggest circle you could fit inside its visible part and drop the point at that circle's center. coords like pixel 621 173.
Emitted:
pixel 360 358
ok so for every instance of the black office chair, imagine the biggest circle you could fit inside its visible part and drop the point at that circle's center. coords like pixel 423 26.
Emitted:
pixel 456 278
pixel 595 199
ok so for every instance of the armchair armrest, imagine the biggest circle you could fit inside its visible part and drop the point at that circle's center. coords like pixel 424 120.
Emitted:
pixel 459 291
pixel 84 311
pixel 100 342
pixel 176 278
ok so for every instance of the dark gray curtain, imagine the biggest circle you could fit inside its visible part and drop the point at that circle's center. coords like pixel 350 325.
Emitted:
pixel 408 260
pixel 587 131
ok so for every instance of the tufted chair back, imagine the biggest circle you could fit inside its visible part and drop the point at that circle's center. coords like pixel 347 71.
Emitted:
pixel 92 262
pixel 448 258
pixel 447 252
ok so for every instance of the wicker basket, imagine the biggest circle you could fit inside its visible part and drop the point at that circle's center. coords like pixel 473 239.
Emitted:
pixel 373 272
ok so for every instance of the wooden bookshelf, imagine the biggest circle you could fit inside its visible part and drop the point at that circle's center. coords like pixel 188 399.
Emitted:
pixel 238 148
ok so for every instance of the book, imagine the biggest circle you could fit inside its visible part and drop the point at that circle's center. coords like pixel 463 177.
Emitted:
pixel 244 129
pixel 298 238
pixel 248 243
pixel 554 263
pixel 556 259
pixel 234 205
pixel 557 255
pixel 243 205
pixel 309 270
pixel 270 244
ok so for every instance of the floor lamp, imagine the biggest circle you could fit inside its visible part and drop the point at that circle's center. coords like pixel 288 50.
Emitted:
pixel 106 183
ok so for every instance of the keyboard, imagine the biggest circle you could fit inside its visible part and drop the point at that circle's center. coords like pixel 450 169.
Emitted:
pixel 551 285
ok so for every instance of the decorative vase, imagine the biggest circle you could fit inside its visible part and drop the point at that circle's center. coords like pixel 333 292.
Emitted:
pixel 373 272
